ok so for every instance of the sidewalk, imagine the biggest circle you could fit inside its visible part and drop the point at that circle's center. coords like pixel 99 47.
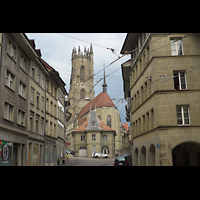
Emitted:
pixel 70 162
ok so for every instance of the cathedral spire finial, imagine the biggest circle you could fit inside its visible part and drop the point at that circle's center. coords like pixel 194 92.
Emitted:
pixel 79 50
pixel 91 50
pixel 104 85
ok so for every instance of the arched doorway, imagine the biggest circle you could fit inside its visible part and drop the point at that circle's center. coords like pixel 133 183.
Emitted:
pixel 151 158
pixel 143 156
pixel 105 150
pixel 135 157
pixel 186 154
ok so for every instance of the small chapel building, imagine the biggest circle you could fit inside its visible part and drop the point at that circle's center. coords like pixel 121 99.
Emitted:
pixel 94 136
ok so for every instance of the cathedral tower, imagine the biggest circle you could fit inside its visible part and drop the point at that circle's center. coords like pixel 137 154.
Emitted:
pixel 81 82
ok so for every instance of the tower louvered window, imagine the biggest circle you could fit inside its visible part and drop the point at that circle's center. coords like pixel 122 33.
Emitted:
pixel 82 74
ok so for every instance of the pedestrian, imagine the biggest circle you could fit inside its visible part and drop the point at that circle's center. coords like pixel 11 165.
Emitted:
pixel 67 156
pixel 63 159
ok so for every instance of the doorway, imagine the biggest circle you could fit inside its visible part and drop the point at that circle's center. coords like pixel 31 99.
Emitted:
pixel 186 154
pixel 15 154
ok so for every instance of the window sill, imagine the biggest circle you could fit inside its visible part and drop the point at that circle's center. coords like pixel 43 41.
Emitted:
pixel 22 125
pixel 8 120
pixel 22 96
pixel 13 58
pixel 10 88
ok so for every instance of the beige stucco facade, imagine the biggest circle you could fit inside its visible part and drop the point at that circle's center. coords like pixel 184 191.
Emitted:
pixel 97 137
pixel 155 100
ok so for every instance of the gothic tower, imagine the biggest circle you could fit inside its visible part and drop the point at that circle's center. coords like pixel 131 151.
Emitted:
pixel 81 82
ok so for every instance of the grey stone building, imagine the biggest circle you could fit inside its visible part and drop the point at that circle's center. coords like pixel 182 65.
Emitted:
pixel 16 55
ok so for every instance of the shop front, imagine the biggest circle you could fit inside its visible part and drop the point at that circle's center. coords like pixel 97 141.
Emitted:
pixel 5 153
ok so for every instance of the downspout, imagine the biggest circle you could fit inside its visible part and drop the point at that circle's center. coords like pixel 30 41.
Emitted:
pixel 1 44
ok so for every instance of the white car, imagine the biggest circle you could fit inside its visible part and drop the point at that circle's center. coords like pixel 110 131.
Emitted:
pixel 93 154
pixel 100 155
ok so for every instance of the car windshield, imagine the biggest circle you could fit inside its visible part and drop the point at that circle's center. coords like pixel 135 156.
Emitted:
pixel 121 158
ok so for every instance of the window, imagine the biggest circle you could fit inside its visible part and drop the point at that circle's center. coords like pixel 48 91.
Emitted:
pixel 180 81
pixel 38 80
pixel 37 124
pixel 22 89
pixel 176 47
pixel 23 63
pixel 12 50
pixel 109 121
pixel 104 137
pixel 82 94
pixel 93 123
pixel 43 82
pixel 183 115
pixel 82 74
pixel 10 80
pixel 21 117
pixel 33 72
pixel 82 137
pixel 32 95
pixel 42 105
pixel 93 136
pixel 31 122
pixel 8 111
pixel 38 99
pixel 42 127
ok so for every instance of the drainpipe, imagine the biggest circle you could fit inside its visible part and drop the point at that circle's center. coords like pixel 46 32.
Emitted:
pixel 1 44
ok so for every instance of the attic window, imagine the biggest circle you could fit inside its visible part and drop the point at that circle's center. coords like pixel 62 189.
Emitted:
pixel 93 123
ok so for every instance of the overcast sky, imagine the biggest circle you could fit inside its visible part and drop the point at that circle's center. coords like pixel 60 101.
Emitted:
pixel 56 50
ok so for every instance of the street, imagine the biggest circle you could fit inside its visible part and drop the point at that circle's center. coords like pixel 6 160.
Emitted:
pixel 83 161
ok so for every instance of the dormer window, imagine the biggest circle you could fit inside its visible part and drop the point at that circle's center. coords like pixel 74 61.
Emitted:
pixel 93 123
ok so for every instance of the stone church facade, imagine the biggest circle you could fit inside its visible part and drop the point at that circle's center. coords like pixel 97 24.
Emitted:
pixel 82 99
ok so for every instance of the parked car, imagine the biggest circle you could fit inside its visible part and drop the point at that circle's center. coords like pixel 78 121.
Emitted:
pixel 122 161
pixel 93 154
pixel 129 155
pixel 100 155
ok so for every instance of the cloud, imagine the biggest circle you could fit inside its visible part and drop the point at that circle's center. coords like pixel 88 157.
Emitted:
pixel 57 49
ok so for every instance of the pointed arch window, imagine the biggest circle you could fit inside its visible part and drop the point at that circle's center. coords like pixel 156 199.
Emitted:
pixel 82 73
pixel 82 94
pixel 109 121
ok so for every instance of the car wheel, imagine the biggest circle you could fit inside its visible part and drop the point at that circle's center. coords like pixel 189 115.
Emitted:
pixel 105 156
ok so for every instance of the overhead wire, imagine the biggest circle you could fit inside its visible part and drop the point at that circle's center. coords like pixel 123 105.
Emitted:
pixel 112 49
pixel 133 61
pixel 149 52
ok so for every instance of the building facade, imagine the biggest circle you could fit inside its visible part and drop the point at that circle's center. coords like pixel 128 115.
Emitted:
pixel 22 143
pixel 163 92
pixel 94 136
pixel 55 143
pixel 32 105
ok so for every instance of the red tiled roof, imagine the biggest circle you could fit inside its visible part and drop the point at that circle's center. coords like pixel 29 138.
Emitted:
pixel 125 125
pixel 48 67
pixel 102 99
pixel 84 126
